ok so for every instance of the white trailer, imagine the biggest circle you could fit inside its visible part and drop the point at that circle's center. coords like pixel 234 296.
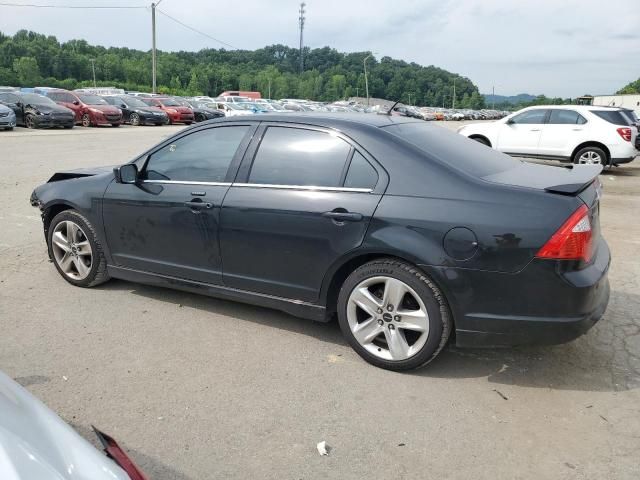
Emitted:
pixel 631 101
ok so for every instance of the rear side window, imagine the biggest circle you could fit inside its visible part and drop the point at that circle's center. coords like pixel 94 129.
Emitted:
pixel 299 157
pixel 531 117
pixel 361 174
pixel 566 117
pixel 202 156
pixel 612 116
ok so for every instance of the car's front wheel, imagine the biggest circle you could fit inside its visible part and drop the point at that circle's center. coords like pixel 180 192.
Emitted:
pixel 134 119
pixel 76 251
pixel 86 120
pixel 393 315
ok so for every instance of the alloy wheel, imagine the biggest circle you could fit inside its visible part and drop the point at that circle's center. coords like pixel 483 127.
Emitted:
pixel 388 318
pixel 590 157
pixel 86 120
pixel 29 121
pixel 72 250
pixel 134 119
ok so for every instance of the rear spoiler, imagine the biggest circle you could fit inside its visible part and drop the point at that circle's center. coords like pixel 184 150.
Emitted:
pixel 582 176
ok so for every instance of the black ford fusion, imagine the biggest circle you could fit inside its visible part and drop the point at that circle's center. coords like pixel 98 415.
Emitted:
pixel 409 233
pixel 37 111
pixel 136 112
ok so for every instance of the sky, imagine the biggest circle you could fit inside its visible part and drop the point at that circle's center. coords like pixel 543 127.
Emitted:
pixel 560 48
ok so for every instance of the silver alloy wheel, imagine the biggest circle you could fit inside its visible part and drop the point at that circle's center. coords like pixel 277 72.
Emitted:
pixel 590 157
pixel 134 119
pixel 72 250
pixel 86 120
pixel 388 318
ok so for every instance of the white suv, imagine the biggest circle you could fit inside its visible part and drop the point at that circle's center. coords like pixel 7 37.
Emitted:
pixel 572 133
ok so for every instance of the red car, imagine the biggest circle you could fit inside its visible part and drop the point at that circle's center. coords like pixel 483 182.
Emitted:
pixel 90 110
pixel 177 113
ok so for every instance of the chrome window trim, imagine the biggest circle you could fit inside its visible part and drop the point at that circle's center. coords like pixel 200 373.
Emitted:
pixel 185 182
pixel 304 187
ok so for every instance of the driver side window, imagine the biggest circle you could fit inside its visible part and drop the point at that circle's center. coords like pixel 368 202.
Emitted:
pixel 531 117
pixel 203 156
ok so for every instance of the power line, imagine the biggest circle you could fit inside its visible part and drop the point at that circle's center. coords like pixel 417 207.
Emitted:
pixel 195 30
pixel 80 7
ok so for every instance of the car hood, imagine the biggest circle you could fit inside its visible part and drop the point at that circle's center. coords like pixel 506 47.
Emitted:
pixel 80 172
pixel 105 108
pixel 46 108
pixel 149 110
pixel 35 443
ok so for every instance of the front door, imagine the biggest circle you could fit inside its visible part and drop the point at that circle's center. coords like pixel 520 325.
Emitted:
pixel 303 202
pixel 168 223
pixel 521 134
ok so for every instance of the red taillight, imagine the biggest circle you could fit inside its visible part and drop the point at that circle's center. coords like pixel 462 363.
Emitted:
pixel 625 133
pixel 115 452
pixel 573 240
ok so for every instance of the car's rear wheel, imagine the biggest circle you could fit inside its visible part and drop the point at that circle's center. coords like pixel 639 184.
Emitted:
pixel 393 315
pixel 29 121
pixel 86 120
pixel 76 251
pixel 134 119
pixel 590 156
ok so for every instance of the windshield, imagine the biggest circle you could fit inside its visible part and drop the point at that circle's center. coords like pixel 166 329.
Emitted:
pixel 37 99
pixel 450 148
pixel 134 102
pixel 170 102
pixel 92 100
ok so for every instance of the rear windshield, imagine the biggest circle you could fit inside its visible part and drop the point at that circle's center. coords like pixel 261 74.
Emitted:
pixel 453 149
pixel 612 116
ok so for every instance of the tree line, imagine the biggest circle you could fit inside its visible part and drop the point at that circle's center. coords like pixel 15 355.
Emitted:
pixel 32 59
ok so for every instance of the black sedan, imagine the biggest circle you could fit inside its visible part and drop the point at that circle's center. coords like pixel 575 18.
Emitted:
pixel 37 111
pixel 409 233
pixel 201 111
pixel 135 112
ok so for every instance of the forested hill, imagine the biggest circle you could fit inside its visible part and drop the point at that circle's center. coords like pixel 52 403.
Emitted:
pixel 29 59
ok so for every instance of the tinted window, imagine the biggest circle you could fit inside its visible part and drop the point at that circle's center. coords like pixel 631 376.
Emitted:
pixel 612 116
pixel 361 174
pixel 530 117
pixel 566 117
pixel 203 156
pixel 293 156
pixel 452 149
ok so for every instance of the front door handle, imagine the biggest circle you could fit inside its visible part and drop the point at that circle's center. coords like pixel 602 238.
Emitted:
pixel 535 130
pixel 198 205
pixel 343 216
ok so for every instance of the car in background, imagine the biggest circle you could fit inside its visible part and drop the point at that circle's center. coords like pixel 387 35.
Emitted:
pixel 201 111
pixel 37 111
pixel 136 112
pixel 569 133
pixel 37 444
pixel 232 99
pixel 406 231
pixel 7 118
pixel 231 109
pixel 5 88
pixel 176 112
pixel 245 94
pixel 90 110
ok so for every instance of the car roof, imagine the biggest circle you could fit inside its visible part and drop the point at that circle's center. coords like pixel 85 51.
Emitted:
pixel 328 119
pixel 585 108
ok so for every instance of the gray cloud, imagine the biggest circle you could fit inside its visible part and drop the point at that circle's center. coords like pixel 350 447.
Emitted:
pixel 559 48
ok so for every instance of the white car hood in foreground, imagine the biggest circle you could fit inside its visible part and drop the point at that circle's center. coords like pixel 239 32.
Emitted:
pixel 35 444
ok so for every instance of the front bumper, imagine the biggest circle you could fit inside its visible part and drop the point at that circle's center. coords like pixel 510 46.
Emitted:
pixel 46 121
pixel 542 304
pixel 8 121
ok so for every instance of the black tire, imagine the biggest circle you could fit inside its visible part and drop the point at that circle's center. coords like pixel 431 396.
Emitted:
pixel 188 123
pixel 68 127
pixel 604 158
pixel 86 120
pixel 98 272
pixel 134 119
pixel 115 125
pixel 440 323
pixel 29 121
pixel 482 140
pixel 8 129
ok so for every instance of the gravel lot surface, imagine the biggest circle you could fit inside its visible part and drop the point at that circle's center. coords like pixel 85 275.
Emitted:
pixel 199 388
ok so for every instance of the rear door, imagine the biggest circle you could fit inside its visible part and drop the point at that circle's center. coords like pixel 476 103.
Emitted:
pixel 168 222
pixel 521 134
pixel 564 130
pixel 304 197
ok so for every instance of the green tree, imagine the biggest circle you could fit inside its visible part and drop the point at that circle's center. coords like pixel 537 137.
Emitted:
pixel 27 71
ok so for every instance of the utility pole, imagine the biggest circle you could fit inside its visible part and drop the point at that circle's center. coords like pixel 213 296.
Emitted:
pixel 366 79
pixel 269 88
pixel 357 92
pixel 409 98
pixel 453 104
pixel 153 45
pixel 301 20
pixel 493 98
pixel 93 67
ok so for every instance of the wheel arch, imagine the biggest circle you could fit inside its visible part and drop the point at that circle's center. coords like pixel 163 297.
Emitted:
pixel 49 212
pixel 483 137
pixel 591 143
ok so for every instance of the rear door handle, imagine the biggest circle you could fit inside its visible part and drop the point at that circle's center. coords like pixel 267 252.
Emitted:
pixel 343 216
pixel 198 205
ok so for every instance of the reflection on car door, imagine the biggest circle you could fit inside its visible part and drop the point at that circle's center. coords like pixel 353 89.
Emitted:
pixel 168 222
pixel 565 128
pixel 294 210
pixel 521 135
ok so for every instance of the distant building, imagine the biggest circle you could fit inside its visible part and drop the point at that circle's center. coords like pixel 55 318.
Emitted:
pixel 631 101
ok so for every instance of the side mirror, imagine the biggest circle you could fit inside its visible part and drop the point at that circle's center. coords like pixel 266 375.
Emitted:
pixel 76 102
pixel 122 105
pixel 127 173
pixel 19 104
pixel 510 121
